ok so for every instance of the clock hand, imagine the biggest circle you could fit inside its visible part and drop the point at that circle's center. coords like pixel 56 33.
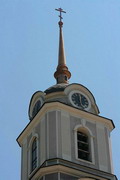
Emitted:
pixel 80 100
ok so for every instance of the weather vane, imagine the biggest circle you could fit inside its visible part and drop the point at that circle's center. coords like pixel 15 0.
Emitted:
pixel 61 11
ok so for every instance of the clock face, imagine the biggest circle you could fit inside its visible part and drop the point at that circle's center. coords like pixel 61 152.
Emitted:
pixel 36 108
pixel 79 100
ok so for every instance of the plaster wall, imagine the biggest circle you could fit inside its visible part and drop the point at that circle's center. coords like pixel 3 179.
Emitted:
pixel 56 139
pixel 43 144
pixel 66 136
pixel 103 152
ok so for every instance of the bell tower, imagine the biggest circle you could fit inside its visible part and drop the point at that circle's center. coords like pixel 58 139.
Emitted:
pixel 66 138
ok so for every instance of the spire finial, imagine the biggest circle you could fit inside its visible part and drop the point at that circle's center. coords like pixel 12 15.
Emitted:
pixel 60 16
pixel 62 74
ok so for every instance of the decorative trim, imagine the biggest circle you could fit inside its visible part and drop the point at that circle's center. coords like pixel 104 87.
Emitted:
pixel 86 179
pixel 57 132
pixel 58 175
pixel 83 122
pixel 71 110
pixel 47 145
pixel 73 169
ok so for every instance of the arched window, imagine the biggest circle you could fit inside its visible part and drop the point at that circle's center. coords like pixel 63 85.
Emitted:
pixel 34 154
pixel 83 146
pixel 66 78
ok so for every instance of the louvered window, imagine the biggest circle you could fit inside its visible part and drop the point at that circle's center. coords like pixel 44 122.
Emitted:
pixel 34 155
pixel 83 146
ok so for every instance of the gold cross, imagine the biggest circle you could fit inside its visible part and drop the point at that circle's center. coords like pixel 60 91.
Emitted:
pixel 61 11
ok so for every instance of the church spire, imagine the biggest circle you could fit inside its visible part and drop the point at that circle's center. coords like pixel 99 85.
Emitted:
pixel 62 73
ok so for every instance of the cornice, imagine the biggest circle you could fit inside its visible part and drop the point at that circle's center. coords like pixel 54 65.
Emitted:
pixel 50 106
pixel 70 168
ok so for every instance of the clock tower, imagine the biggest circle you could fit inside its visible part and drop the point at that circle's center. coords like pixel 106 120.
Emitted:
pixel 66 138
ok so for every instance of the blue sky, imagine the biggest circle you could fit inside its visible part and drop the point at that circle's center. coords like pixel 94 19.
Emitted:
pixel 28 60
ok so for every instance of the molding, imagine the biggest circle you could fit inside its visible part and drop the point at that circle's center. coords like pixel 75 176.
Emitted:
pixel 58 175
pixel 47 126
pixel 59 165
pixel 34 135
pixel 79 126
pixel 53 95
pixel 83 122
pixel 70 171
pixel 54 106
pixel 57 132
pixel 86 179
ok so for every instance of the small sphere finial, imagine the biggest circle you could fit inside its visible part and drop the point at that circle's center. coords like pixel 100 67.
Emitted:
pixel 60 23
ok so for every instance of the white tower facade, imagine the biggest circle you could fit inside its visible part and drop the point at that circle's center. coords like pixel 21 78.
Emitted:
pixel 66 139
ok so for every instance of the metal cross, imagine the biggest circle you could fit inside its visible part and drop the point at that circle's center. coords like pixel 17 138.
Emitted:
pixel 61 11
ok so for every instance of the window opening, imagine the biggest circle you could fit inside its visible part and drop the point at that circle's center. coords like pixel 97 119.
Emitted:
pixel 66 78
pixel 57 79
pixel 83 146
pixel 34 155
